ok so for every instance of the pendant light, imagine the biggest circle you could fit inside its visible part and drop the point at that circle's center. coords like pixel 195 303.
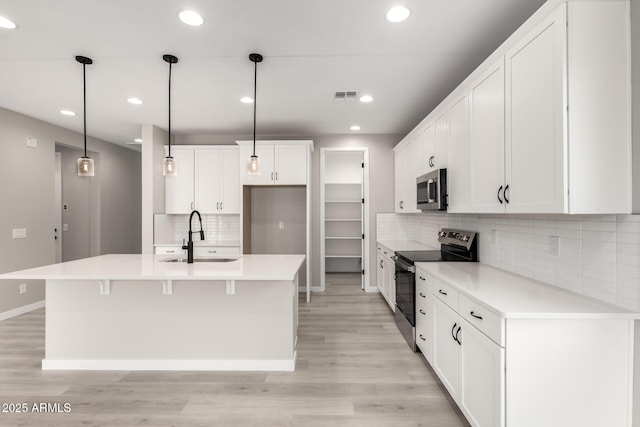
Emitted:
pixel 85 163
pixel 169 166
pixel 253 165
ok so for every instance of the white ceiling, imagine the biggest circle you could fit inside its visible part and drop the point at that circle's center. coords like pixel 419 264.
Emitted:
pixel 312 48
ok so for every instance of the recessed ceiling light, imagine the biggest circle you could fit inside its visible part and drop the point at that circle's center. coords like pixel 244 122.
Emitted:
pixel 246 100
pixel 398 14
pixel 355 127
pixel 7 23
pixel 138 140
pixel 67 112
pixel 190 17
pixel 135 101
pixel 366 98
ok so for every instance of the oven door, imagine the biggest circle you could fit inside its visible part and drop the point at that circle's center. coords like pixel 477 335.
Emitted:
pixel 406 289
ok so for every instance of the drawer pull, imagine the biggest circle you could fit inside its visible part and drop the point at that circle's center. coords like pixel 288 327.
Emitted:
pixel 422 312
pixel 422 338
pixel 171 252
pixel 422 295
pixel 476 316
pixel 213 252
pixel 442 292
pixel 422 278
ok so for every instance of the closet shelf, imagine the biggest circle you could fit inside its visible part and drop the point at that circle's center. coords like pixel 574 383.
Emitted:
pixel 334 219
pixel 344 238
pixel 343 256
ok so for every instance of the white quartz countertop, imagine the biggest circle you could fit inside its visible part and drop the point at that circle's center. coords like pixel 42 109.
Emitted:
pixel 218 243
pixel 151 267
pixel 406 245
pixel 513 296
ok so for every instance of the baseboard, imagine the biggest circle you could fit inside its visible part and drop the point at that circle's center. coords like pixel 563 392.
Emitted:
pixel 21 310
pixel 287 365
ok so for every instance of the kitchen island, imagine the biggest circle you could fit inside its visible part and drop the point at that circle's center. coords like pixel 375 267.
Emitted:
pixel 140 312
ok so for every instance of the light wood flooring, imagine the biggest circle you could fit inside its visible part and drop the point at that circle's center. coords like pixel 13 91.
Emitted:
pixel 354 369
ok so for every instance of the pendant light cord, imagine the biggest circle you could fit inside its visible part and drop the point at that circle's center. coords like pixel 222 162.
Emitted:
pixel 169 109
pixel 84 100
pixel 255 101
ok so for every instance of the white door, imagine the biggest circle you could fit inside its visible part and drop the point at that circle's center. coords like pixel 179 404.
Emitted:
pixel 481 378
pixel 266 156
pixel 486 140
pixel 57 208
pixel 291 164
pixel 207 180
pixel 458 154
pixel 446 351
pixel 536 108
pixel 179 189
pixel 230 181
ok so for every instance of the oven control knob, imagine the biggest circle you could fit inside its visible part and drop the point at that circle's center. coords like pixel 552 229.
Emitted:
pixel 465 238
pixel 442 234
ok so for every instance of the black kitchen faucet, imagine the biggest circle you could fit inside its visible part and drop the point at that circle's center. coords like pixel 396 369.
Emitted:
pixel 189 246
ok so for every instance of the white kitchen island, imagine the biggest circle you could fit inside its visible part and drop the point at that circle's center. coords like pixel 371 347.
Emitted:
pixel 138 312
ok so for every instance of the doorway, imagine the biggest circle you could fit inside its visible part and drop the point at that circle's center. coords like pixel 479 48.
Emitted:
pixel 57 207
pixel 344 214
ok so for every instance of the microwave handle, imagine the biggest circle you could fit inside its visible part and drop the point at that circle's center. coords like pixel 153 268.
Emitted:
pixel 429 182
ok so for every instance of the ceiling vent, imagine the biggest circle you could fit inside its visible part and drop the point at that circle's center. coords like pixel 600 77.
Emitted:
pixel 346 95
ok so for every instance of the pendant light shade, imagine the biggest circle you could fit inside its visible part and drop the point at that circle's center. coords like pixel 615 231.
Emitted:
pixel 169 165
pixel 253 165
pixel 85 163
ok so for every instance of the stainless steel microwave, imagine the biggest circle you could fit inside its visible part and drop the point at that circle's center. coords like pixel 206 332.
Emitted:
pixel 431 190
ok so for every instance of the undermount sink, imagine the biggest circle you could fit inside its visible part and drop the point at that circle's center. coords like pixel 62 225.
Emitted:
pixel 200 260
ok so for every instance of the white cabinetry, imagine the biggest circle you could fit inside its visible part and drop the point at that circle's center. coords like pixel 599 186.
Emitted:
pixel 281 163
pixel 434 143
pixel 470 365
pixel 424 316
pixel 458 162
pixel 407 168
pixel 386 276
pixel 208 180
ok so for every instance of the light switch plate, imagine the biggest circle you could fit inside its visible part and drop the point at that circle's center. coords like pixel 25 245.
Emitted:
pixel 19 233
pixel 23 288
pixel 65 227
pixel 554 245
pixel 32 142
pixel 281 225
pixel 494 237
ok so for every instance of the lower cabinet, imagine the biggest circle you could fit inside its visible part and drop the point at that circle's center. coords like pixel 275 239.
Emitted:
pixel 386 278
pixel 470 365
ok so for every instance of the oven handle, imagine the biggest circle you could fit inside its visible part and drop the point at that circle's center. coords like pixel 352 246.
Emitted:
pixel 404 265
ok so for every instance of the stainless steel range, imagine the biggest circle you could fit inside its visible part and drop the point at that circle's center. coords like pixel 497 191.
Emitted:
pixel 455 245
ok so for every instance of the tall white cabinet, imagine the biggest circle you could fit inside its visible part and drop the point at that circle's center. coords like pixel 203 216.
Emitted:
pixel 208 180
pixel 543 125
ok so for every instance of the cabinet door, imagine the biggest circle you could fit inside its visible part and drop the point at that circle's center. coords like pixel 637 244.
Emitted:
pixel 458 159
pixel 536 106
pixel 446 350
pixel 179 189
pixel 481 394
pixel 381 275
pixel 440 135
pixel 427 138
pixel 486 140
pixel 412 170
pixel 291 164
pixel 230 181
pixel 424 316
pixel 400 203
pixel 390 283
pixel 267 172
pixel 207 180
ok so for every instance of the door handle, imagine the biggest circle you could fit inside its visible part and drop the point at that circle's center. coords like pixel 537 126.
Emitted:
pixel 452 329
pixel 271 176
pixel 506 199
pixel 276 176
pixel 499 199
pixel 456 337
pixel 218 206
pixel 401 204
pixel 381 264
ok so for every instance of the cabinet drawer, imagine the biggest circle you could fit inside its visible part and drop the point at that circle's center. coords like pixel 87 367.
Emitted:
pixel 444 292
pixel 482 318
pixel 169 250
pixel 205 251
pixel 386 252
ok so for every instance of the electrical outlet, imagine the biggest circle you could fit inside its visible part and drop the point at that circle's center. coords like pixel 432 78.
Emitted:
pixel 554 245
pixel 281 225
pixel 19 233
pixel 23 288
pixel 494 237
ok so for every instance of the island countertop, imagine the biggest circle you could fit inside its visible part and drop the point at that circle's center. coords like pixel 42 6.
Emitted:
pixel 153 267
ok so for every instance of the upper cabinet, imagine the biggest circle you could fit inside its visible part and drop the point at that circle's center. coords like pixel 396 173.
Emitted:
pixel 208 180
pixel 281 162
pixel 408 167
pixel 543 125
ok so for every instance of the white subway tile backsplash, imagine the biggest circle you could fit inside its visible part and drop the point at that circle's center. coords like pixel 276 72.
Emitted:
pixel 174 228
pixel 599 254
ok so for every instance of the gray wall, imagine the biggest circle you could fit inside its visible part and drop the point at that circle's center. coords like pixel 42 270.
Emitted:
pixel 27 194
pixel 269 206
pixel 76 195
pixel 381 186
